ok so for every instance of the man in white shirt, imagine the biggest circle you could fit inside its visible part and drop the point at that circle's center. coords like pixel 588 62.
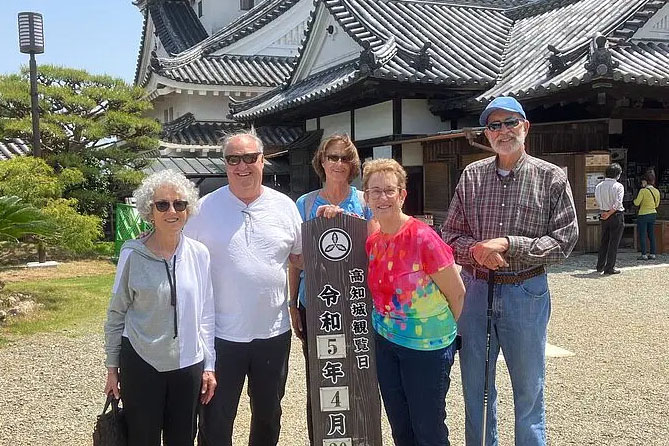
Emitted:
pixel 252 232
pixel 609 196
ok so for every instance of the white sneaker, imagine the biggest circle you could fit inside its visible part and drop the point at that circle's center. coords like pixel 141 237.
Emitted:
pixel 642 257
pixel 651 256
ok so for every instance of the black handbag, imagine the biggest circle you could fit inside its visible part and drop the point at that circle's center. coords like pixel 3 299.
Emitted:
pixel 110 428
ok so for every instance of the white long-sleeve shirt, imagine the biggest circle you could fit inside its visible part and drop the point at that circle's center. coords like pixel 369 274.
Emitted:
pixel 609 195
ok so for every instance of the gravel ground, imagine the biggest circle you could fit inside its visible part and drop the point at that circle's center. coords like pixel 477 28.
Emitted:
pixel 612 392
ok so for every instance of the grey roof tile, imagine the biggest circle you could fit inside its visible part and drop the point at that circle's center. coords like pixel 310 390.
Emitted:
pixel 177 25
pixel 262 71
pixel 11 148
pixel 187 131
pixel 199 167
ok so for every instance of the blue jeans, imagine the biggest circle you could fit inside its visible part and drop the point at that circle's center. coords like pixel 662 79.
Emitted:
pixel 414 384
pixel 646 227
pixel 519 322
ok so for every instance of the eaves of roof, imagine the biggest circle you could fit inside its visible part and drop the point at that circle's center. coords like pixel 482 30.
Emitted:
pixel 260 71
pixel 142 45
pixel 204 167
pixel 186 132
pixel 320 85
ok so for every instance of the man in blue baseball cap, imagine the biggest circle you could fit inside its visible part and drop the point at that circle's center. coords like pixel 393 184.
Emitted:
pixel 511 215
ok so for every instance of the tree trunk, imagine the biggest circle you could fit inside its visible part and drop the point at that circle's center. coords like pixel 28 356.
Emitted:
pixel 41 252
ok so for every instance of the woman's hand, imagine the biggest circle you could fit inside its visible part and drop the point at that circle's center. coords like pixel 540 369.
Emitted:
pixel 328 211
pixel 112 382
pixel 208 387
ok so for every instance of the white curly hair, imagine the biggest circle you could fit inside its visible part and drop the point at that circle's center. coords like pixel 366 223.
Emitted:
pixel 184 187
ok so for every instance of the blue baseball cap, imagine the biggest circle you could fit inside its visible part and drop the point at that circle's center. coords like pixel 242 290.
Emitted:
pixel 501 103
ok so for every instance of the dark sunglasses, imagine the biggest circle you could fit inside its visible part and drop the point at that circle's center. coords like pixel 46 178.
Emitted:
pixel 248 158
pixel 164 205
pixel 510 123
pixel 337 158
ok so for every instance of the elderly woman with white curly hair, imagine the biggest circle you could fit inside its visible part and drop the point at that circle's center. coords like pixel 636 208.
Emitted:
pixel 159 334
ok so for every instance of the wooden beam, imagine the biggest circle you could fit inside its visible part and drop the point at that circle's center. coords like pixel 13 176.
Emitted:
pixel 642 114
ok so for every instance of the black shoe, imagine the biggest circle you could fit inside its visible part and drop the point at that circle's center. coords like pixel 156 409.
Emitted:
pixel 613 271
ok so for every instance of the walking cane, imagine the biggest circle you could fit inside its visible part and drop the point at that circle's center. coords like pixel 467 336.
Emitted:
pixel 491 289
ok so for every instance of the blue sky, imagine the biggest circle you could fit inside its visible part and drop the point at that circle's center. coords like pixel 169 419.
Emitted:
pixel 100 36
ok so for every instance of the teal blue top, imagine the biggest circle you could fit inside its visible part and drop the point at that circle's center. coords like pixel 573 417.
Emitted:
pixel 351 205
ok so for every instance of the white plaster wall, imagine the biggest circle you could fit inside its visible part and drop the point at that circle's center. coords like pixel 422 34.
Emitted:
pixel 417 118
pixel 412 154
pixel 337 123
pixel 311 124
pixel 205 108
pixel 281 37
pixel 332 49
pixel 218 13
pixel 374 121
pixel 657 28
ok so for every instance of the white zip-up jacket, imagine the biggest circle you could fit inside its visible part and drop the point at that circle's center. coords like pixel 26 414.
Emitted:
pixel 141 307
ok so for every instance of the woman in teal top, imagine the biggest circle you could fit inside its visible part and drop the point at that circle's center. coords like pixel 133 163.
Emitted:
pixel 337 164
pixel 648 200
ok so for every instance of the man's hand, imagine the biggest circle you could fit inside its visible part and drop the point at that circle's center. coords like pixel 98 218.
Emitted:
pixel 607 214
pixel 296 322
pixel 208 387
pixel 296 260
pixel 489 253
pixel 495 261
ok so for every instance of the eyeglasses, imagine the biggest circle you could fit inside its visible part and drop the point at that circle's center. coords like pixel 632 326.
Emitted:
pixel 337 158
pixel 164 205
pixel 508 123
pixel 248 158
pixel 390 192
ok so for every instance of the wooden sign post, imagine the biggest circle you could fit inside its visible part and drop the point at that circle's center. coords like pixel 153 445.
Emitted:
pixel 346 409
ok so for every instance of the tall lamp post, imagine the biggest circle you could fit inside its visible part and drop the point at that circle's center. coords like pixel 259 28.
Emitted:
pixel 31 41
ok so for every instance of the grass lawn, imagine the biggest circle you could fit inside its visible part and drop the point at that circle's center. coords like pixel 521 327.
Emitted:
pixel 72 305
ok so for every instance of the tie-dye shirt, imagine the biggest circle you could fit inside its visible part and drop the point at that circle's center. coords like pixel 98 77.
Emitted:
pixel 409 309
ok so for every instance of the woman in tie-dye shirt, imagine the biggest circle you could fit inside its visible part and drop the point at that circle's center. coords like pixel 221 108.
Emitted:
pixel 418 296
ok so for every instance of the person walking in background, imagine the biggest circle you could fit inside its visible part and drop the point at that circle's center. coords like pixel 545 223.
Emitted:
pixel 159 334
pixel 418 296
pixel 648 200
pixel 609 196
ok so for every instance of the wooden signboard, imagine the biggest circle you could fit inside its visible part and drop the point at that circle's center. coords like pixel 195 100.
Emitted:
pixel 346 409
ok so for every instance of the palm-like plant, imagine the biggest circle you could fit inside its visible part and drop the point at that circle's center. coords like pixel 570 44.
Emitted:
pixel 19 219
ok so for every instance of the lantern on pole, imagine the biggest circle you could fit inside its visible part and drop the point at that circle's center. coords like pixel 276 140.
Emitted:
pixel 31 41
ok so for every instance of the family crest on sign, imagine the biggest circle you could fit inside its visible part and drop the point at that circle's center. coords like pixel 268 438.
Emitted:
pixel 201 304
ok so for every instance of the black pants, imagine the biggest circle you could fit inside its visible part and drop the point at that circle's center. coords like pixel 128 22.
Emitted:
pixel 612 232
pixel 265 362
pixel 156 401
pixel 305 352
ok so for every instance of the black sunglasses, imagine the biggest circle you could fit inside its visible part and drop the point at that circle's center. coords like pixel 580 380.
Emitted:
pixel 248 158
pixel 337 158
pixel 164 205
pixel 510 123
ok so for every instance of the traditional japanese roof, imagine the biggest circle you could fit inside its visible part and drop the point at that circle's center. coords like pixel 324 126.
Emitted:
pixel 256 18
pixel 262 71
pixel 185 132
pixel 408 41
pixel 177 25
pixel 11 148
pixel 203 167
pixel 550 45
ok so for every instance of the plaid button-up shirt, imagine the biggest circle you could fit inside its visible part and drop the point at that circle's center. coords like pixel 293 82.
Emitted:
pixel 533 207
